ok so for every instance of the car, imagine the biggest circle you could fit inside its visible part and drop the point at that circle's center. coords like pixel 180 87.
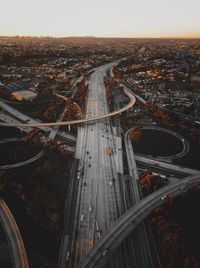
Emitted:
pixel 109 150
pixel 89 165
pixel 182 187
pixel 104 252
pixel 67 256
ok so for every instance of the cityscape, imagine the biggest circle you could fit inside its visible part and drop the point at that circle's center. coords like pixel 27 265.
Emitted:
pixel 99 139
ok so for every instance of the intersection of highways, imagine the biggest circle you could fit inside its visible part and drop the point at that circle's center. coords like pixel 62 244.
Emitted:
pixel 98 219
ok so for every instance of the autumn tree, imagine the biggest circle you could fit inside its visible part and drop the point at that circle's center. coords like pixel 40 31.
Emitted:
pixel 135 133
pixel 33 136
pixel 149 182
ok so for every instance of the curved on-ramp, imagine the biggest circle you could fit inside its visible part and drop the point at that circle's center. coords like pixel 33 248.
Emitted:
pixel 16 245
pixel 23 163
pixel 155 162
pixel 112 239
pixel 74 122
pixel 186 146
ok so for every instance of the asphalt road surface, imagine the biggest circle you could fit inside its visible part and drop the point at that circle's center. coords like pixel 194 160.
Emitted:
pixel 99 200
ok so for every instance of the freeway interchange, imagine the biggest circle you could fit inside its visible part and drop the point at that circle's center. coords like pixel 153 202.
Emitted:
pixel 99 200
pixel 96 217
pixel 104 249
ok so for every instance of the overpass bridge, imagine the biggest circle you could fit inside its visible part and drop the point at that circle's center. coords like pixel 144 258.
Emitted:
pixel 14 118
pixel 111 240
pixel 99 192
pixel 36 124
pixel 15 241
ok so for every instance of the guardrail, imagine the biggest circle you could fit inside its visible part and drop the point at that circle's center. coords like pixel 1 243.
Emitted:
pixel 112 239
pixel 16 245
pixel 74 122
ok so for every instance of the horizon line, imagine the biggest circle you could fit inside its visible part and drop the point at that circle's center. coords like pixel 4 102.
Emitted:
pixel 106 37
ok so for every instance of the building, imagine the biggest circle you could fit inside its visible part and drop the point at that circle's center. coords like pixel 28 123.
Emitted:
pixel 24 95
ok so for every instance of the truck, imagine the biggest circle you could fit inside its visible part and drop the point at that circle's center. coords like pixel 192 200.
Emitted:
pixel 109 150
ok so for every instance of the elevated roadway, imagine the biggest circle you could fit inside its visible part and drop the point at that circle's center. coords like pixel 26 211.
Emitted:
pixel 23 163
pixel 99 197
pixel 34 123
pixel 16 245
pixel 143 250
pixel 13 117
pixel 10 119
pixel 41 153
pixel 172 169
pixel 156 163
pixel 111 240
pixel 183 152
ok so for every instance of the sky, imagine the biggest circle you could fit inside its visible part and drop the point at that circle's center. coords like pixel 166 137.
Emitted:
pixel 125 18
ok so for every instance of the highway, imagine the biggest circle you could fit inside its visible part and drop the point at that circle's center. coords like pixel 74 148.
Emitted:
pixel 172 169
pixel 10 115
pixel 55 129
pixel 34 123
pixel 95 230
pixel 65 98
pixel 14 117
pixel 23 163
pixel 9 119
pixel 16 245
pixel 186 146
pixel 142 244
pixel 111 240
pixel 130 87
pixel 18 115
pixel 99 197
pixel 30 160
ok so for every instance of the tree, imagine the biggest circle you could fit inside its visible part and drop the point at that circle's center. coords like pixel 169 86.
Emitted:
pixel 135 133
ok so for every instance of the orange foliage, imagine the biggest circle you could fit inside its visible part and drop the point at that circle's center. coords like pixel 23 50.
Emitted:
pixel 135 115
pixel 72 111
pixel 135 133
pixel 168 119
pixel 149 181
pixel 51 111
pixel 117 73
pixel 80 95
pixel 108 90
pixel 49 144
pixel 170 239
pixel 169 234
pixel 196 185
pixel 159 113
